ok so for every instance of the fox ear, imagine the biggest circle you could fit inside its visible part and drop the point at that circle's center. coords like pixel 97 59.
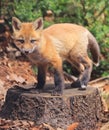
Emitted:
pixel 38 24
pixel 16 24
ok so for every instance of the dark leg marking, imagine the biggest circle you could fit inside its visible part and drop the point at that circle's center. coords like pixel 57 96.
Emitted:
pixel 85 75
pixel 41 77
pixel 59 83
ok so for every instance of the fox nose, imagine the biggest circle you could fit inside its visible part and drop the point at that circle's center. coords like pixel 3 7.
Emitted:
pixel 26 52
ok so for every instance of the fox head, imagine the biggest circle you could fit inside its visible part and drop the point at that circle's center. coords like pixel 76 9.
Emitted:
pixel 27 36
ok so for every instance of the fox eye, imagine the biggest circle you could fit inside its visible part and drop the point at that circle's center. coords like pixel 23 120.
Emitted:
pixel 21 40
pixel 33 41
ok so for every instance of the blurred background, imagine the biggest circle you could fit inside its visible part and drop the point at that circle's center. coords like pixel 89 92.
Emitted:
pixel 92 14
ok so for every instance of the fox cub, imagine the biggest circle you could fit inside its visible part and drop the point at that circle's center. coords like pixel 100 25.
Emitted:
pixel 54 44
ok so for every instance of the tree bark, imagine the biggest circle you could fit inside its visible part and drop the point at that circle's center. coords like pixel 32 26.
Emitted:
pixel 84 107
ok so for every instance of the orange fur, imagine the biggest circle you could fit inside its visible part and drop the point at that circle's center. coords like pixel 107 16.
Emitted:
pixel 57 43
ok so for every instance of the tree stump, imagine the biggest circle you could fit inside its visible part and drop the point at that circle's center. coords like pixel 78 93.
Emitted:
pixel 84 107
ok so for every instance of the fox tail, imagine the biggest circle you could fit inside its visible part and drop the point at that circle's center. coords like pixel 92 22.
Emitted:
pixel 94 49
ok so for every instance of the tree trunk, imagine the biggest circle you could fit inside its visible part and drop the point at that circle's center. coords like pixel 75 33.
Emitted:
pixel 84 107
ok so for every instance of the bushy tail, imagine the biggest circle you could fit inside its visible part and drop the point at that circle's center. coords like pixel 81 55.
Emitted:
pixel 94 49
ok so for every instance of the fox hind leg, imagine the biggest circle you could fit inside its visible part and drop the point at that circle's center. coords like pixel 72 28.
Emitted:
pixel 85 65
pixel 85 76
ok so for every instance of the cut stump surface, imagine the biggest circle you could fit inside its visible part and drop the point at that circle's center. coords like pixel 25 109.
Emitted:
pixel 84 107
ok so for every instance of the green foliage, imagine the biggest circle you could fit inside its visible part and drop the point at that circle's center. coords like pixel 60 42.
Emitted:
pixel 93 14
pixel 25 10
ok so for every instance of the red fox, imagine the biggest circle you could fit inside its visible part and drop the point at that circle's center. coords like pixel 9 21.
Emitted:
pixel 53 45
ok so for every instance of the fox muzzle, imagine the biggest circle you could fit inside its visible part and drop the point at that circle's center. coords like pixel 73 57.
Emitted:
pixel 28 50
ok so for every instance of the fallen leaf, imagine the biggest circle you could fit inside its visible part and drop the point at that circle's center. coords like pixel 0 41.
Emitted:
pixel 45 126
pixel 2 89
pixel 1 83
pixel 106 88
pixel 72 126
pixel 14 77
pixel 105 105
pixel 34 128
pixel 59 129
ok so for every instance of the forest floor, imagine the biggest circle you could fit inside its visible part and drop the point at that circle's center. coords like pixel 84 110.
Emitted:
pixel 16 70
